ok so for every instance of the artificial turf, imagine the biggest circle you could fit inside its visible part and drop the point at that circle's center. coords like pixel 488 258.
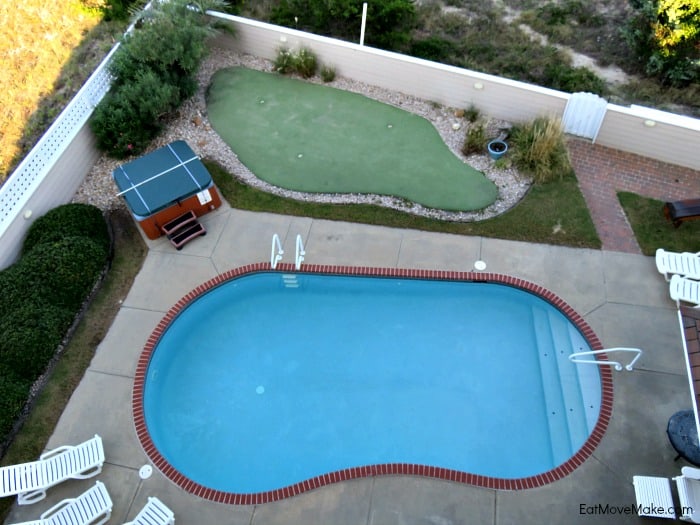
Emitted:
pixel 318 139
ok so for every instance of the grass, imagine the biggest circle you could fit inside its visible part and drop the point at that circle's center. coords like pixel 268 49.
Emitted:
pixel 129 252
pixel 653 231
pixel 47 51
pixel 553 213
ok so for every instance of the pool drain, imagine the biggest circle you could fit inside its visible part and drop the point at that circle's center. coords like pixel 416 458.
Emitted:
pixel 260 389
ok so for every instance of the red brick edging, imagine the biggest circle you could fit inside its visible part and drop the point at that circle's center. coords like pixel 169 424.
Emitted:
pixel 371 470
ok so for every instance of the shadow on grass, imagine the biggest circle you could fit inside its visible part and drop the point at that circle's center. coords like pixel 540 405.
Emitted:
pixel 653 231
pixel 552 213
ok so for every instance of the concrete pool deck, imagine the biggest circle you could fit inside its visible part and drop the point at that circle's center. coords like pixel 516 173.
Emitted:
pixel 620 295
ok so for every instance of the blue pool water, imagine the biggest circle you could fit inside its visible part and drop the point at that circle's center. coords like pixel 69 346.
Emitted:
pixel 268 380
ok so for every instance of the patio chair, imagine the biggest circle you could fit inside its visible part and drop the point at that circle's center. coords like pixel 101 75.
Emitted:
pixel 155 512
pixel 686 290
pixel 30 480
pixel 688 484
pixel 92 507
pixel 654 497
pixel 686 264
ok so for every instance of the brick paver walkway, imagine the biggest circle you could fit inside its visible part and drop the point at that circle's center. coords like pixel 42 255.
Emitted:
pixel 602 172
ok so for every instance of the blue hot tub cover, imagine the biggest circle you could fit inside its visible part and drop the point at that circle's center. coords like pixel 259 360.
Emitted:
pixel 161 178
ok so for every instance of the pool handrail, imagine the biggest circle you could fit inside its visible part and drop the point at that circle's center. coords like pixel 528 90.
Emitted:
pixel 618 366
pixel 276 251
pixel 300 253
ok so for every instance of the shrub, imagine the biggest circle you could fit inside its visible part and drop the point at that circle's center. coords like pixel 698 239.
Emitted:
pixel 433 48
pixel 31 334
pixel 13 395
pixel 63 255
pixel 305 63
pixel 154 72
pixel 475 140
pixel 572 79
pixel 472 113
pixel 665 37
pixel 327 74
pixel 69 220
pixel 284 62
pixel 14 291
pixel 127 119
pixel 62 272
pixel 540 151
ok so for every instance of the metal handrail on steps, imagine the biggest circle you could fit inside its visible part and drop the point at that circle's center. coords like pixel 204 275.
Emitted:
pixel 618 366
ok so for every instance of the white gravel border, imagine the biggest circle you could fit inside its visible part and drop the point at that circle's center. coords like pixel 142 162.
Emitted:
pixel 191 124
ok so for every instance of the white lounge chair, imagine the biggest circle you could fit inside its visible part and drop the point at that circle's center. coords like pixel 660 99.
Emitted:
pixel 686 264
pixel 30 480
pixel 155 512
pixel 92 507
pixel 686 290
pixel 688 484
pixel 654 497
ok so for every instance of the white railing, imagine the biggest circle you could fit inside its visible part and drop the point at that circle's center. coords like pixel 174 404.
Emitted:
pixel 574 358
pixel 300 253
pixel 276 252
pixel 19 187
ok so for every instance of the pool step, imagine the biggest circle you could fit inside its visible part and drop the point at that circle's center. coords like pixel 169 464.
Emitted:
pixel 554 400
pixel 290 280
pixel 572 391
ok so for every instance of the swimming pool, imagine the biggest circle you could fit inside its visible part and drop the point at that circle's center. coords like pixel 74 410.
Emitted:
pixel 260 385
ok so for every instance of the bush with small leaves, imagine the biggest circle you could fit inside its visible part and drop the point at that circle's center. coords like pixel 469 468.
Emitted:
pixel 13 396
pixel 63 256
pixel 153 74
pixel 133 115
pixel 63 272
pixel 31 334
pixel 69 220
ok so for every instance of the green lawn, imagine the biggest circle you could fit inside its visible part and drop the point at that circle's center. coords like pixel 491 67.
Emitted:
pixel 653 231
pixel 305 137
pixel 552 213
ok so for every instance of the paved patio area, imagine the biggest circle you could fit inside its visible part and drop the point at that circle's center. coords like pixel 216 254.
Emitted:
pixel 619 294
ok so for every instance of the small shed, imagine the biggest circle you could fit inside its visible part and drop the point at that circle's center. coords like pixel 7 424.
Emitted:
pixel 166 184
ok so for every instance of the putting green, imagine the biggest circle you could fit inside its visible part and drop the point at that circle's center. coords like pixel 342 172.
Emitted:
pixel 318 139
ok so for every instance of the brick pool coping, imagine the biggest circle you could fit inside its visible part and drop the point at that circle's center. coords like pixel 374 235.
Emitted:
pixel 409 469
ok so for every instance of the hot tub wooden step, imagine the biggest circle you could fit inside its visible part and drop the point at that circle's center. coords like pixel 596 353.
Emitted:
pixel 186 233
pixel 179 222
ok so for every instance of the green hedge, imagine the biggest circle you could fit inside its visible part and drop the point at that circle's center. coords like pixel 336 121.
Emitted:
pixel 70 220
pixel 63 256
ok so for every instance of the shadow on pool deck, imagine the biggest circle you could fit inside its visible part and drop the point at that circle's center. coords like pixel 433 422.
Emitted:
pixel 620 295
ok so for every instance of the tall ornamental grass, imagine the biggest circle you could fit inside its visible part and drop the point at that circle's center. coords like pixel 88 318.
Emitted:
pixel 540 151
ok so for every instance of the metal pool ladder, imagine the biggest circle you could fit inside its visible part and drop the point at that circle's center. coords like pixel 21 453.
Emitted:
pixel 574 358
pixel 300 253
pixel 276 252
